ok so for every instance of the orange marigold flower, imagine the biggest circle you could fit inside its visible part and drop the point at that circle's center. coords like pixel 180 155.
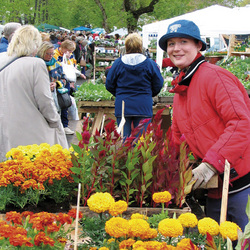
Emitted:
pixel 62 240
pixel 21 230
pixel 42 238
pixel 126 243
pixel 4 182
pixel 186 244
pixel 162 197
pixel 14 217
pixel 53 228
pixel 72 213
pixel 20 240
pixel 6 230
pixel 64 218
pixel 26 213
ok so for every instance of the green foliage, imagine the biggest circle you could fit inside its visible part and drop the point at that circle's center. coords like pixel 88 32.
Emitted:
pixel 239 67
pixel 94 229
pixel 154 219
pixel 92 92
pixel 244 238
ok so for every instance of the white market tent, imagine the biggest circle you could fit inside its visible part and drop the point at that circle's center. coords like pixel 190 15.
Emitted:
pixel 212 21
pixel 121 32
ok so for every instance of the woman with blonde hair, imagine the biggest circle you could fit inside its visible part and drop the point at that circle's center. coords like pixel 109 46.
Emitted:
pixel 28 113
pixel 134 79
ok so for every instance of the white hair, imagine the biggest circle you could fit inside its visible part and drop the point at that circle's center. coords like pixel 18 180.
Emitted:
pixel 25 41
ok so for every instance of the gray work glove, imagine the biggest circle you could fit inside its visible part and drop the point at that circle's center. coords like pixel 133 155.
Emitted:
pixel 202 174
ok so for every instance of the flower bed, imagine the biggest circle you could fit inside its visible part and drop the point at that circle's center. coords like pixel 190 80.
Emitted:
pixel 112 231
pixel 132 168
pixel 34 173
pixel 30 230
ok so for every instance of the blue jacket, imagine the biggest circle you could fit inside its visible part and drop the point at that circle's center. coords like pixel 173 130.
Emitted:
pixel 134 79
pixel 3 44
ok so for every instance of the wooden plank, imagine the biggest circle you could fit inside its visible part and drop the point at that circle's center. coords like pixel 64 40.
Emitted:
pixel 83 104
pixel 148 211
pixel 97 121
pixel 225 188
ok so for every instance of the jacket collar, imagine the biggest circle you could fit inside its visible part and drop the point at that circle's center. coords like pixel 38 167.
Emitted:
pixel 183 78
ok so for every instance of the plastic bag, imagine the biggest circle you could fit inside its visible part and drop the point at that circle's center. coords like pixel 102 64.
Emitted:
pixel 73 111
pixel 68 69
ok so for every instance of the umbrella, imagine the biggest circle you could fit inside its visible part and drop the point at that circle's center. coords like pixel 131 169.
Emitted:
pixel 98 30
pixel 45 26
pixel 81 28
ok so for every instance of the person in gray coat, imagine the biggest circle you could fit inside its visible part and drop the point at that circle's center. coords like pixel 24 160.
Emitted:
pixel 28 113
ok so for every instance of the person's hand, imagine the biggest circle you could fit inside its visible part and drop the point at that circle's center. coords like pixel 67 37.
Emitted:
pixel 52 86
pixel 72 85
pixel 83 76
pixel 202 174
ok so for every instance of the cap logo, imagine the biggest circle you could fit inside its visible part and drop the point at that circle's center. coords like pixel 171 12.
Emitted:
pixel 174 28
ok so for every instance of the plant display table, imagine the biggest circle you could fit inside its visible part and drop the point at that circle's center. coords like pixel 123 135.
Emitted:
pixel 106 109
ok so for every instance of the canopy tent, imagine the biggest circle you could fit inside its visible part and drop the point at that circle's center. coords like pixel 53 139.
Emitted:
pixel 61 28
pixel 82 28
pixel 121 32
pixel 212 21
pixel 45 26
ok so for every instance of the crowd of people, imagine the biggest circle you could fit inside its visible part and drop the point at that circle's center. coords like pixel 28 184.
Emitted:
pixel 211 108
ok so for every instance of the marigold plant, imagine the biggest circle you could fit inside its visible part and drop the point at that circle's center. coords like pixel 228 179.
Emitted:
pixel 208 225
pixel 33 171
pixel 100 202
pixel 188 220
pixel 118 207
pixel 117 227
pixel 170 228
pixel 230 230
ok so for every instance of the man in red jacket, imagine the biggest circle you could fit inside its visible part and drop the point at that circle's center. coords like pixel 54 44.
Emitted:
pixel 212 110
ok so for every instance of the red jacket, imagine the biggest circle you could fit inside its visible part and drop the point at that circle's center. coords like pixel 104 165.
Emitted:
pixel 213 114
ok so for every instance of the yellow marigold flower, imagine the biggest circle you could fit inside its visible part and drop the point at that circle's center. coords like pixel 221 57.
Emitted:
pixel 229 229
pixel 100 202
pixel 126 243
pixel 93 248
pixel 138 245
pixel 188 220
pixel 186 244
pixel 111 240
pixel 170 228
pixel 118 208
pixel 208 225
pixel 162 197
pixel 117 227
pixel 150 234
pixel 139 216
pixel 152 245
pixel 103 248
pixel 138 227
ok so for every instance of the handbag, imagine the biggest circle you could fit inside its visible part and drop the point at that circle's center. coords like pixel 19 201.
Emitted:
pixel 82 62
pixel 63 98
pixel 68 69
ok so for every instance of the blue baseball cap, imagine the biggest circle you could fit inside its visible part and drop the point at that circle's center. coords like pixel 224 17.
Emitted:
pixel 182 28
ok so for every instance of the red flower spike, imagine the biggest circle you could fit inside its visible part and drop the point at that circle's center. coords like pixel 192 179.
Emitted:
pixel 210 242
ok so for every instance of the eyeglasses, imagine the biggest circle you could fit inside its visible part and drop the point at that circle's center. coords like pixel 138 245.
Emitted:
pixel 50 54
